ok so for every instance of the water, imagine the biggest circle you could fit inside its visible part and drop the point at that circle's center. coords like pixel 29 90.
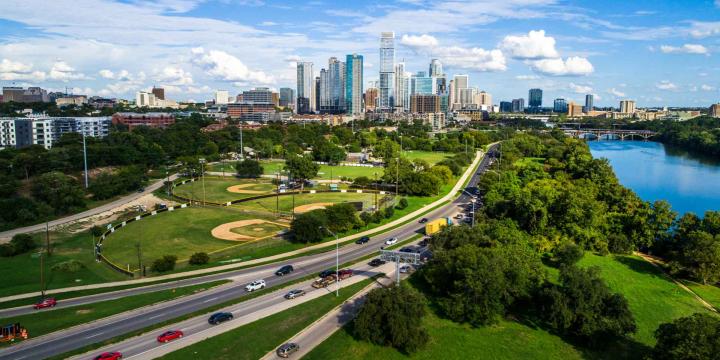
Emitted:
pixel 658 172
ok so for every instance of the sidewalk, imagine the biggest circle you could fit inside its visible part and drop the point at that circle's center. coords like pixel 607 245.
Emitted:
pixel 449 196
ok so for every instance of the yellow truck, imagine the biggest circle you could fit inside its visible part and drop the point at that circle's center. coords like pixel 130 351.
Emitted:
pixel 436 225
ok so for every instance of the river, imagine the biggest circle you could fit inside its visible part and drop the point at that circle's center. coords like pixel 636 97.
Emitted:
pixel 659 172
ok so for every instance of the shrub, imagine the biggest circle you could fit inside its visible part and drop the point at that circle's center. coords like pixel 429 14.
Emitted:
pixel 389 212
pixel 366 217
pixel 377 217
pixel 568 254
pixel 199 258
pixel 70 266
pixel 402 204
pixel 249 168
pixel 165 263
pixel 96 231
pixel 307 226
pixel 22 243
pixel 6 250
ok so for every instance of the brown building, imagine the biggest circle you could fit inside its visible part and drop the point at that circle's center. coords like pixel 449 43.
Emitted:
pixel 237 110
pixel 574 110
pixel 275 98
pixel 715 110
pixel 423 104
pixel 159 93
pixel 152 119
pixel 371 96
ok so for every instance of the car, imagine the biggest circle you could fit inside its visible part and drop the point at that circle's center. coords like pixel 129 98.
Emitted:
pixel 423 243
pixel 45 303
pixel 423 220
pixel 294 293
pixel 324 282
pixel 376 262
pixel 405 269
pixel 407 250
pixel 391 241
pixel 169 335
pixel 141 190
pixel 345 273
pixel 255 285
pixel 284 270
pixel 326 273
pixel 114 355
pixel 459 216
pixel 220 317
pixel 362 240
pixel 286 349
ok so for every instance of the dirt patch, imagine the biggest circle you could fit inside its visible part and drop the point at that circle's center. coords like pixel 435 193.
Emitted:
pixel 224 232
pixel 239 189
pixel 313 206
pixel 84 311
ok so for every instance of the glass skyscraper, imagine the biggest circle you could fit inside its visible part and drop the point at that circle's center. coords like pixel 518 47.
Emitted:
pixel 354 84
pixel 305 88
pixel 588 103
pixel 535 99
pixel 421 84
pixel 387 72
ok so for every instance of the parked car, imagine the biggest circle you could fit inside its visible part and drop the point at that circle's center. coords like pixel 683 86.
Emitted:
pixel 170 335
pixel 45 303
pixel 423 243
pixel 362 240
pixel 292 294
pixel 141 190
pixel 220 317
pixel 345 273
pixel 391 241
pixel 114 355
pixel 255 285
pixel 407 249
pixel 405 269
pixel 326 273
pixel 286 349
pixel 423 220
pixel 284 270
pixel 376 262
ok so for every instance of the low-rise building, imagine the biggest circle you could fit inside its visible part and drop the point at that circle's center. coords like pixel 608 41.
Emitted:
pixel 45 131
pixel 715 110
pixel 151 119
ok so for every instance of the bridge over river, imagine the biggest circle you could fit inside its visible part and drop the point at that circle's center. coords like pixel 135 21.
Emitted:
pixel 609 134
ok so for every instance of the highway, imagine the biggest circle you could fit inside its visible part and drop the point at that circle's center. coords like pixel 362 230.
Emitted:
pixel 104 329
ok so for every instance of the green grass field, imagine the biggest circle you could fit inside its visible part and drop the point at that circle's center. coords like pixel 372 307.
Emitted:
pixel 286 202
pixel 709 293
pixel 254 340
pixel 216 189
pixel 432 157
pixel 47 321
pixel 653 299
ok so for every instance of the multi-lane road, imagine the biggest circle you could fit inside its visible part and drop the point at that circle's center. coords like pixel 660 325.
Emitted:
pixel 104 329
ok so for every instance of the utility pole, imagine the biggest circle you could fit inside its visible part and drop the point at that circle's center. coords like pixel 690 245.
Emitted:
pixel 202 173
pixel 42 277
pixel 47 238
pixel 242 150
pixel 376 192
pixel 337 261
pixel 473 211
pixel 139 255
pixel 85 159
pixel 167 175
pixel 397 175
pixel 277 195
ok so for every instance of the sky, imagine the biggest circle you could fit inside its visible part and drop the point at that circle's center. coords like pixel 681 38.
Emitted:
pixel 657 52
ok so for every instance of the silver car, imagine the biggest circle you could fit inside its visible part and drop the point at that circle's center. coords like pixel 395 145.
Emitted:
pixel 292 294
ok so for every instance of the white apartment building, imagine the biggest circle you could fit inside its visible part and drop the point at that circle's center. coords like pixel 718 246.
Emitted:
pixel 221 97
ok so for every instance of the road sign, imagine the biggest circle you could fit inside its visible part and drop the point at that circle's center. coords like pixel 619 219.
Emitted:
pixel 399 256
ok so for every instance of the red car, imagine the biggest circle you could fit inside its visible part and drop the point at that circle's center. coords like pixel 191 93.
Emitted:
pixel 170 335
pixel 109 356
pixel 345 273
pixel 45 303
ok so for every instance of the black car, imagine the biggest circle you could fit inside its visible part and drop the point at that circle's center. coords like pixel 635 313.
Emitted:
pixel 377 262
pixel 220 317
pixel 362 240
pixel 423 220
pixel 284 270
pixel 407 250
pixel 326 273
pixel 423 243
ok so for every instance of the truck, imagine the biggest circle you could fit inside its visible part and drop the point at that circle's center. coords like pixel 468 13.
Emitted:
pixel 324 282
pixel 431 227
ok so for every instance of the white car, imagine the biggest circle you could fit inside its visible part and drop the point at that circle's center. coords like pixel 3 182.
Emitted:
pixel 405 269
pixel 391 241
pixel 255 285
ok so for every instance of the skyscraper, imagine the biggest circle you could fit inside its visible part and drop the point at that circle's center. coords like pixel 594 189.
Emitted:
pixel 421 84
pixel 305 88
pixel 588 103
pixel 221 97
pixel 627 106
pixel 287 97
pixel 560 105
pixel 332 87
pixel 401 97
pixel 159 93
pixel 459 82
pixel 387 71
pixel 436 69
pixel 518 105
pixel 535 99
pixel 354 84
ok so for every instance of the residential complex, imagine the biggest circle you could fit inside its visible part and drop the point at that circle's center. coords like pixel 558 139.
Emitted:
pixel 44 131
pixel 151 119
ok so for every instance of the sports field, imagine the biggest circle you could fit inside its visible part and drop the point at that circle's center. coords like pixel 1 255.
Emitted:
pixel 221 190
pixel 286 203
pixel 432 157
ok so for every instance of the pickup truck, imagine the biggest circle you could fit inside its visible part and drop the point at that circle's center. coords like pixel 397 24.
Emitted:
pixel 324 282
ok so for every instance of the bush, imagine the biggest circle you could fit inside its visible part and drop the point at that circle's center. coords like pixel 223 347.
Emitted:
pixel 70 266
pixel 22 243
pixel 199 258
pixel 362 181
pixel 7 250
pixel 402 204
pixel 96 231
pixel 307 226
pixel 165 263
pixel 249 169
pixel 366 217
pixel 377 217
pixel 688 338
pixel 568 254
pixel 389 212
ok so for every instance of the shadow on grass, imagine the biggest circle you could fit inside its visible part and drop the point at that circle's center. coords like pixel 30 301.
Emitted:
pixel 639 265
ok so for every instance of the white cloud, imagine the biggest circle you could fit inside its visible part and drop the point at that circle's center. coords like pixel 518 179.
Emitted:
pixel 472 58
pixel 616 93
pixel 685 49
pixel 224 66
pixel 666 85
pixel 527 77
pixel 268 23
pixel 17 67
pixel 421 41
pixel 172 75
pixel 572 66
pixel 106 74
pixel 16 71
pixel 702 29
pixel 706 87
pixel 198 90
pixel 534 45
pixel 580 89
pixel 63 72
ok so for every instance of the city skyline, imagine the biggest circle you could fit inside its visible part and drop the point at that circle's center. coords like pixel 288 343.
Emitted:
pixel 192 48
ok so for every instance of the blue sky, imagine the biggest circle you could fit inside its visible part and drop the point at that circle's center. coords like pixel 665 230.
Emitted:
pixel 656 52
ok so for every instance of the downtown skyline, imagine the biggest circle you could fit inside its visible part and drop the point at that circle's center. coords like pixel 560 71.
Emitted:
pixel 657 53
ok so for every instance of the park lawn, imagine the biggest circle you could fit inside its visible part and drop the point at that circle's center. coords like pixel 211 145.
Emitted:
pixel 286 201
pixel 432 157
pixel 351 172
pixel 653 298
pixel 22 272
pixel 709 293
pixel 254 340
pixel 216 189
pixel 181 233
pixel 47 321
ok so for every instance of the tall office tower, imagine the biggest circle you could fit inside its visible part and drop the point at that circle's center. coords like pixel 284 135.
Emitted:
pixel 287 96
pixel 518 105
pixel 560 105
pixel 467 97
pixel 159 93
pixel 441 87
pixel 421 84
pixel 451 94
pixel 305 103
pixel 221 97
pixel 627 106
pixel 324 93
pixel 143 98
pixel 436 69
pixel 483 99
pixel 387 71
pixel 505 106
pixel 402 89
pixel 459 82
pixel 535 99
pixel 316 94
pixel 354 84
pixel 336 73
pixel 714 110
pixel 588 103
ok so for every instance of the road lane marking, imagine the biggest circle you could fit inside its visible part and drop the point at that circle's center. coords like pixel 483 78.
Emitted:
pixel 210 299
pixel 94 335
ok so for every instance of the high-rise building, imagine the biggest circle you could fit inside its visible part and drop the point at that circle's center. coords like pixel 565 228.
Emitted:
pixel 421 84
pixel 371 98
pixel 483 99
pixel 305 103
pixel 459 82
pixel 588 103
pixel 627 106
pixel 535 99
pixel 424 103
pixel 715 110
pixel 402 88
pixel 574 110
pixel 332 87
pixel 258 95
pixel 506 106
pixel 316 94
pixel 518 105
pixel 354 84
pixel 144 99
pixel 560 105
pixel 436 69
pixel 159 93
pixel 222 97
pixel 466 97
pixel 287 97
pixel 387 72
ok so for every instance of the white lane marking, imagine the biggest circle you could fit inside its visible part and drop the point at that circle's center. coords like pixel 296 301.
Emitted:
pixel 94 335
pixel 210 299
pixel 156 316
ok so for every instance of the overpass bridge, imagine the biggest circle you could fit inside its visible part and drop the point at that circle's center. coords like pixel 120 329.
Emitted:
pixel 609 134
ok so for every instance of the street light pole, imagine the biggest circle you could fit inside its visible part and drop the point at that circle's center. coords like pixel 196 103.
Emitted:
pixel 473 211
pixel 202 173
pixel 337 261
pixel 85 160
pixel 397 175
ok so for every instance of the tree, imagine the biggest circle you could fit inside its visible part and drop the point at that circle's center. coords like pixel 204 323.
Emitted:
pixel 21 243
pixel 199 258
pixel 694 337
pixel 8 186
pixel 402 204
pixel 421 184
pixel 301 168
pixel 307 227
pixel 387 150
pixel 165 263
pixel 568 254
pixel 702 256
pixel 63 193
pixel 442 172
pixel 249 168
pixel 393 317
pixel 341 217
